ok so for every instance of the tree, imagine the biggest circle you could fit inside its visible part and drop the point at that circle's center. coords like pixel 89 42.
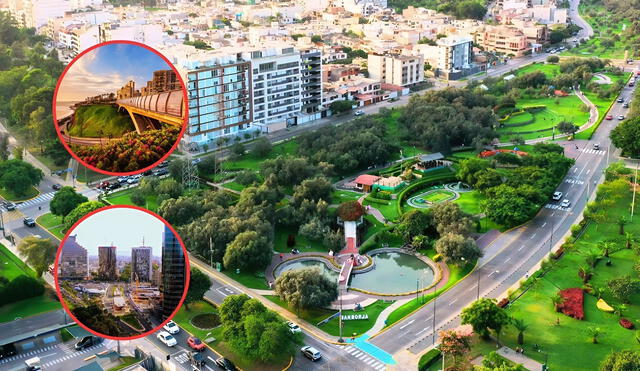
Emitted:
pixel 622 288
pixel 553 59
pixel 454 343
pixel 350 211
pixel 483 315
pixel 4 146
pixel 341 106
pixel 413 223
pixel 449 218
pixel 175 168
pixel 306 288
pixel 39 253
pixel 333 240
pixel 138 198
pixel 199 283
pixel 469 169
pixel 567 127
pixel 65 200
pixel 262 147
pixel 557 300
pixel 318 188
pixel 594 333
pixel 246 177
pixel 626 136
pixel 621 360
pixel 521 326
pixel 622 221
pixel 18 176
pixel 248 250
pixel 170 187
pixel 458 249
pixel 80 211
pixel 314 229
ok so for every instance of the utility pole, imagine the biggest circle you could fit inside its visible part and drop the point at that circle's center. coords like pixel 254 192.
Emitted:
pixel 478 294
pixel 340 340
pixel 434 315
pixel 2 225
pixel 633 199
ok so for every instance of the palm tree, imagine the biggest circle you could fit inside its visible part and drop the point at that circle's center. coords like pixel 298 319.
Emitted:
pixel 594 332
pixel 621 223
pixel 618 310
pixel 606 247
pixel 557 301
pixel 629 239
pixel 585 272
pixel 591 257
pixel 521 326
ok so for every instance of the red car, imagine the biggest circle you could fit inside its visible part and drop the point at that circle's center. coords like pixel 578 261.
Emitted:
pixel 103 185
pixel 609 117
pixel 195 343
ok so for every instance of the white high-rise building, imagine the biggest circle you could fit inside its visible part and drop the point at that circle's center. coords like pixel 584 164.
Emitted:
pixel 396 69
pixel 451 57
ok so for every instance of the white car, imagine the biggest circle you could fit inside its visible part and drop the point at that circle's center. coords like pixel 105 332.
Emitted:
pixel 293 327
pixel 358 113
pixel 620 117
pixel 134 179
pixel 311 353
pixel 565 203
pixel 167 339
pixel 557 196
pixel 171 327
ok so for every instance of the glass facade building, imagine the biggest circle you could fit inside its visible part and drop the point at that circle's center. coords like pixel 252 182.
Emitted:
pixel 173 272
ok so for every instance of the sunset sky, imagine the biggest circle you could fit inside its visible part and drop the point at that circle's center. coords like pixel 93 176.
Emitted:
pixel 106 69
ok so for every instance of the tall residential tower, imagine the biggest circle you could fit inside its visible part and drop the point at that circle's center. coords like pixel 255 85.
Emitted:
pixel 173 272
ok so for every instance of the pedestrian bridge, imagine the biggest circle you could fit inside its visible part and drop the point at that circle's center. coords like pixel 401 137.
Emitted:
pixel 148 111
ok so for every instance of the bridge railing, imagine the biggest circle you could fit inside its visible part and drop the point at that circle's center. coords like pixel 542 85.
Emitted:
pixel 168 103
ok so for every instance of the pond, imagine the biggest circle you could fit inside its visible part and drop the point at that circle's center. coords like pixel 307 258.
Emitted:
pixel 398 272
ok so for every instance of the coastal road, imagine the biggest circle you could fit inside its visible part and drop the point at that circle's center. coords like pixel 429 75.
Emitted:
pixel 514 254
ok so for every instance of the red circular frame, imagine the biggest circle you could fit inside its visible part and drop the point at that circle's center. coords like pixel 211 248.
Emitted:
pixel 187 269
pixel 185 100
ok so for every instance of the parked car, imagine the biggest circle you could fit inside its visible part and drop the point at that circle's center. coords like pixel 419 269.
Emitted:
pixel 196 359
pixel 565 203
pixel 171 327
pixel 557 196
pixel 163 164
pixel 29 222
pixel 159 172
pixel 358 113
pixel 88 341
pixel 631 84
pixel 195 343
pixel 225 364
pixel 625 105
pixel 620 117
pixel 103 185
pixel 293 327
pixel 56 187
pixel 134 179
pixel 123 179
pixel 7 350
pixel 167 338
pixel 609 117
pixel 113 186
pixel 620 100
pixel 311 352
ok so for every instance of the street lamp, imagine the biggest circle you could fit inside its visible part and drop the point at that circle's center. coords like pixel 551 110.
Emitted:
pixel 340 340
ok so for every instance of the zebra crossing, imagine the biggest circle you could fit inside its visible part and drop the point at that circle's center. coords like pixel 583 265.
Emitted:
pixel 592 151
pixel 181 358
pixel 71 353
pixel 574 181
pixel 27 354
pixel 45 197
pixel 363 357
pixel 556 207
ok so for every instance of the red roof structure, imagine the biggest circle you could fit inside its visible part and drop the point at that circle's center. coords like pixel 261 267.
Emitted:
pixel 366 179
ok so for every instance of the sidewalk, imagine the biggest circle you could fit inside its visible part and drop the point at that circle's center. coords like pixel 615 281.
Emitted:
pixel 527 362
pixel 382 318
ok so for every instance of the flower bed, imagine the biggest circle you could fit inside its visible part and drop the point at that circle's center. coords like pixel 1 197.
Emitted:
pixel 573 302
pixel 626 323
pixel 485 154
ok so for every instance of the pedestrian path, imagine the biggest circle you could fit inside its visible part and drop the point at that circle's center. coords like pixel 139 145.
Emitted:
pixel 25 355
pixel 520 358
pixel 363 357
pixel 370 350
pixel 45 197
pixel 381 321
pixel 556 207
pixel 592 151
pixel 72 353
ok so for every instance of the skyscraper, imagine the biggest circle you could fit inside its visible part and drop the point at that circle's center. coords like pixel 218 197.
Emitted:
pixel 173 272
pixel 73 260
pixel 107 262
pixel 141 268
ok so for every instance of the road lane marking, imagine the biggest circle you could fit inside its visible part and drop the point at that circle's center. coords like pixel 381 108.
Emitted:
pixel 454 300
pixel 423 330
pixel 407 324
pixel 521 247
pixel 506 260
pixel 533 235
pixel 543 224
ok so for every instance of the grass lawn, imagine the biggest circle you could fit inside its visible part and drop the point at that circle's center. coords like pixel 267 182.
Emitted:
pixel 389 211
pixel 234 186
pixel 251 280
pixel 374 227
pixel 340 196
pixel 302 243
pixel 183 319
pixel 568 344
pixel 28 307
pixel 100 120
pixel 550 70
pixel 358 327
pixel 602 105
pixel 11 266
pixel 124 198
pixel 438 195
pixel 30 193
pixel 249 161
pixel 469 202
pixel 479 347
pixel 52 223
pixel 456 274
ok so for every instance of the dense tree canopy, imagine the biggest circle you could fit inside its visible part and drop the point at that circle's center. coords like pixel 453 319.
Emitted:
pixel 65 200
pixel 485 315
pixel 80 211
pixel 39 253
pixel 199 283
pixel 621 360
pixel 306 288
pixel 18 176
pixel 626 136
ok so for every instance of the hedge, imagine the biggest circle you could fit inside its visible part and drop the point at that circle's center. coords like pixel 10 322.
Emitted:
pixel 420 184
pixel 428 359
pixel 374 200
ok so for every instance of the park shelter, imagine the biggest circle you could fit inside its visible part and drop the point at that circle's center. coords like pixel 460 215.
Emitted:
pixel 431 161
pixel 391 183
pixel 365 182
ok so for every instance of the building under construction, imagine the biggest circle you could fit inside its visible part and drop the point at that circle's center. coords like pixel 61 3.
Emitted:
pixel 163 80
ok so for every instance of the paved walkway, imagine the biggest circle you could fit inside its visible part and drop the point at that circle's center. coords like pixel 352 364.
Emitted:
pixel 527 362
pixel 382 318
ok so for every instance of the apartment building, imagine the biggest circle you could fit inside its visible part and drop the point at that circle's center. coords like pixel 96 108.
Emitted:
pixel 107 262
pixel 173 272
pixel 451 57
pixel 36 13
pixel 162 80
pixel 362 7
pixel 141 268
pixel 311 88
pixel 73 260
pixel 396 69
pixel 503 39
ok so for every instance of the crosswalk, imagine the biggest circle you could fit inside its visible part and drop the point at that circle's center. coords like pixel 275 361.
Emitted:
pixel 363 357
pixel 556 207
pixel 45 197
pixel 71 353
pixel 574 181
pixel 592 151
pixel 27 354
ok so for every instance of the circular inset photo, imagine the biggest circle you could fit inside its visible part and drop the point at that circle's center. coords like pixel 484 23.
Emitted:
pixel 120 108
pixel 121 272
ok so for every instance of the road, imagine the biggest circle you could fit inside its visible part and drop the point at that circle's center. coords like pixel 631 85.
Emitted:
pixel 587 31
pixel 514 253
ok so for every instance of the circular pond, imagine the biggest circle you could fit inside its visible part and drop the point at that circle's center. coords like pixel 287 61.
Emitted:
pixel 303 263
pixel 394 273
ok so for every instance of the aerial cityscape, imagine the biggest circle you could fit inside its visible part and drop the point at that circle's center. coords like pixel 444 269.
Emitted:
pixel 360 185
pixel 128 287
pixel 110 123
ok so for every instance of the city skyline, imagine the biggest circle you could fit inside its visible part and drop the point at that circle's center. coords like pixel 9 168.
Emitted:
pixel 132 225
pixel 106 69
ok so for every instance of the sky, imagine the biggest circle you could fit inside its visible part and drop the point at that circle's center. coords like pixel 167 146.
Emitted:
pixel 106 69
pixel 122 227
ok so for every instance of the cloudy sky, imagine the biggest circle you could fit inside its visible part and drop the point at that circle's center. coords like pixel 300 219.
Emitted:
pixel 121 227
pixel 106 69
